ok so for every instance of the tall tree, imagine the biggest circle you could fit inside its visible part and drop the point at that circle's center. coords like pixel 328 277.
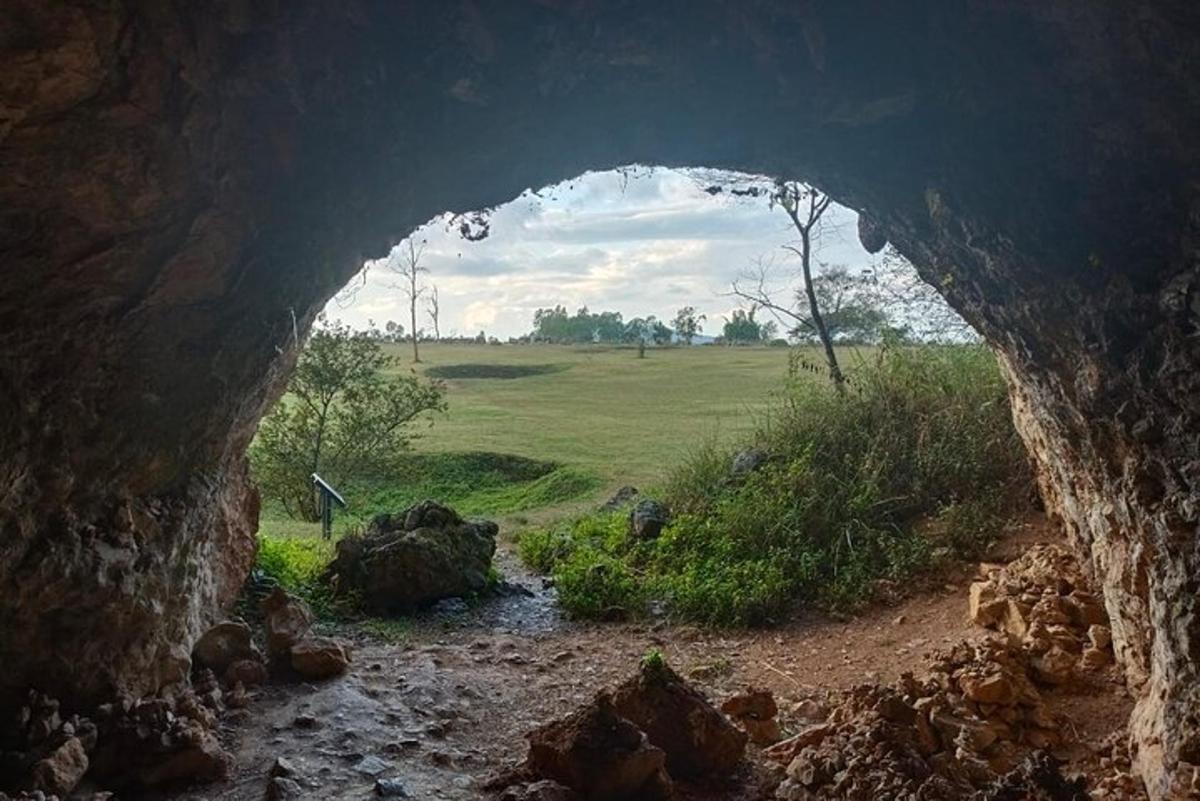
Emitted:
pixel 405 261
pixel 687 324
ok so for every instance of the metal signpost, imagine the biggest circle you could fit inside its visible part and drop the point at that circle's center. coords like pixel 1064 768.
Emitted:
pixel 328 497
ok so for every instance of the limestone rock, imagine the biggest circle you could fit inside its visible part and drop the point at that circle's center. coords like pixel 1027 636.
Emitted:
pixel 747 461
pixel 288 620
pixel 647 519
pixel 619 499
pixel 319 658
pixel 698 740
pixel 754 711
pixel 416 558
pixel 225 643
pixel 600 755
pixel 59 772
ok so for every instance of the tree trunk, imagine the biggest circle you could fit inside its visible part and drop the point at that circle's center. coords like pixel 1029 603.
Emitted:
pixel 835 372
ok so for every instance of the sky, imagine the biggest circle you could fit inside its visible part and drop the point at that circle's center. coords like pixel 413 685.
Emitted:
pixel 643 241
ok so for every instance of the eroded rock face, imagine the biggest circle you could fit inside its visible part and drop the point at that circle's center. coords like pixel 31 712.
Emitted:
pixel 182 187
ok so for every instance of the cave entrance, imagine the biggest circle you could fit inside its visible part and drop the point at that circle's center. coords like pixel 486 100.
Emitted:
pixel 184 188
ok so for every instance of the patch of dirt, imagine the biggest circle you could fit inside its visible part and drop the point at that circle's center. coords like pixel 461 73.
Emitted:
pixel 448 708
pixel 497 371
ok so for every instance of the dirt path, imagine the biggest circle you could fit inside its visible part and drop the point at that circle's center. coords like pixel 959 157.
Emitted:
pixel 451 705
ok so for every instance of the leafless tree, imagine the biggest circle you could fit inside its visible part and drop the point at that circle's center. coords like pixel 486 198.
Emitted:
pixel 405 261
pixel 805 207
pixel 434 310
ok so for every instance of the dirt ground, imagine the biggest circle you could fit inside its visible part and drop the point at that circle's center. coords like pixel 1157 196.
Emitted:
pixel 449 707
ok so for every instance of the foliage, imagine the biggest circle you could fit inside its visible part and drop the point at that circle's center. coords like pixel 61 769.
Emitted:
pixel 558 326
pixel 917 461
pixel 342 418
pixel 742 329
pixel 687 324
pixel 849 312
pixel 296 565
pixel 647 329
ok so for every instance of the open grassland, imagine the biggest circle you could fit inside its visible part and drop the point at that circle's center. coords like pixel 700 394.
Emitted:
pixel 601 409
pixel 535 430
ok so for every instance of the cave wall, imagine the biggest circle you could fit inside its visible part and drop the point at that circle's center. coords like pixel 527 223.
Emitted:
pixel 182 185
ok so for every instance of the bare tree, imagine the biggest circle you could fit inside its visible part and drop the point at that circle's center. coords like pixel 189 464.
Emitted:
pixel 405 261
pixel 433 310
pixel 805 207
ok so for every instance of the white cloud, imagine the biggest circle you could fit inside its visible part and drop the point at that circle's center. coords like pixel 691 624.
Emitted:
pixel 642 243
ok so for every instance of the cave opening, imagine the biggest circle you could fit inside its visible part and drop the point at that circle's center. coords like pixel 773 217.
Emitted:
pixel 183 190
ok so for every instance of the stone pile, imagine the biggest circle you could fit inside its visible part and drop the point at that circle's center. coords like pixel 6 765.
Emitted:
pixel 1042 603
pixel 631 743
pixel 952 736
pixel 158 741
pixel 291 644
pixel 47 752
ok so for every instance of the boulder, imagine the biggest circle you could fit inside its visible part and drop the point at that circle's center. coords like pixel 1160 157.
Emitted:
pixel 647 519
pixel 224 644
pixel 754 712
pixel 600 755
pixel 288 620
pixel 247 672
pixel 414 559
pixel 61 770
pixel 319 658
pixel 747 461
pixel 698 740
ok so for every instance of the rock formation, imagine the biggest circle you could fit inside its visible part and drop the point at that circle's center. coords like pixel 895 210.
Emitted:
pixel 183 185
pixel 412 559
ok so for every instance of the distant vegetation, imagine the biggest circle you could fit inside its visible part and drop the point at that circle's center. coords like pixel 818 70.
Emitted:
pixel 915 463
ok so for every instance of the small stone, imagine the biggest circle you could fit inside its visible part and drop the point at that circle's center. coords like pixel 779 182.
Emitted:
pixel 282 767
pixel 59 772
pixel 283 789
pixel 390 788
pixel 305 722
pixel 900 620
pixel 371 766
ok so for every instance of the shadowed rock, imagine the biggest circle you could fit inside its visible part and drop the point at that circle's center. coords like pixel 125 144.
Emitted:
pixel 415 558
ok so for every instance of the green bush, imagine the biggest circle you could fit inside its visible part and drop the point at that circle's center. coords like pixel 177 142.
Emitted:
pixel 917 461
pixel 296 564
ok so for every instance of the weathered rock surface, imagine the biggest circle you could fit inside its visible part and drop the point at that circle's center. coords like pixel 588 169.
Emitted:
pixel 175 212
pixel 754 712
pixel 224 644
pixel 319 658
pixel 698 740
pixel 600 755
pixel 747 461
pixel 647 519
pixel 287 620
pixel 415 558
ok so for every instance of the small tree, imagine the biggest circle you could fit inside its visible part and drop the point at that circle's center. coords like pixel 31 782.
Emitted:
pixel 742 329
pixel 687 324
pixel 341 417
pixel 405 261
pixel 434 311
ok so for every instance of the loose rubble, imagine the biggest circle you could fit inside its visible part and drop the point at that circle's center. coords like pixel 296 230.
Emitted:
pixel 631 742
pixel 293 646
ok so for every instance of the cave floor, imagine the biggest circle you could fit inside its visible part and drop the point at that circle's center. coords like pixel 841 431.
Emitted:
pixel 449 706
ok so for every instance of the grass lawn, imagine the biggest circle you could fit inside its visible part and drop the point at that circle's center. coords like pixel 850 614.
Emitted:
pixel 599 412
pixel 598 408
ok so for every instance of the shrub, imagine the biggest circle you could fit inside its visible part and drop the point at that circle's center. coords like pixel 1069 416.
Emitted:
pixel 916 462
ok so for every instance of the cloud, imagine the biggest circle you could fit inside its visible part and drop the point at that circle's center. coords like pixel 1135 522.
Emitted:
pixel 644 242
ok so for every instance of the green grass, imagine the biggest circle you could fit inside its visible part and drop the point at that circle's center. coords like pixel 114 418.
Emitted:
pixel 537 431
pixel 916 463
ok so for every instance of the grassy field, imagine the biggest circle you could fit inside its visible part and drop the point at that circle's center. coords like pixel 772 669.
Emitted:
pixel 601 409
pixel 600 415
